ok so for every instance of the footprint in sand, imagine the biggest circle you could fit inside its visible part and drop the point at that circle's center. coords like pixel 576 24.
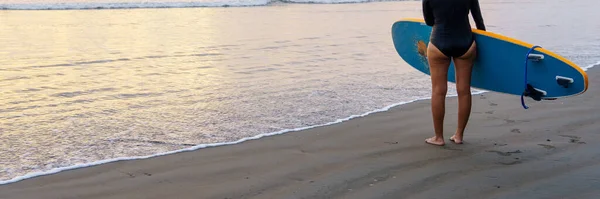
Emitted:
pixel 571 136
pixel 452 149
pixel 510 163
pixel 509 153
pixel 509 121
pixel 131 175
pixel 574 139
pixel 547 146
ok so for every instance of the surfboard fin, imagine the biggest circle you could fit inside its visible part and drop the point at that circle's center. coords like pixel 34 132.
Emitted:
pixel 564 81
pixel 535 57
pixel 534 93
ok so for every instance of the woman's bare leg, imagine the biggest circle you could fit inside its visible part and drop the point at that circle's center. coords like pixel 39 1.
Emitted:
pixel 438 67
pixel 463 66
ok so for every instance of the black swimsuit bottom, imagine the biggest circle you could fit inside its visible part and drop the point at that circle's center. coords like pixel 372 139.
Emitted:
pixel 452 32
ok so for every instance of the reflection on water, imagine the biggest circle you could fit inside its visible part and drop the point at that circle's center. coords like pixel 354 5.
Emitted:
pixel 81 86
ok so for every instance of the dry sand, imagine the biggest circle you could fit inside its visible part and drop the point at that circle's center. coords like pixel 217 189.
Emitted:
pixel 548 151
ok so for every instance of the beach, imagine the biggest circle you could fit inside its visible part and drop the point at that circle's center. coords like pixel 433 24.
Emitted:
pixel 276 100
pixel 547 151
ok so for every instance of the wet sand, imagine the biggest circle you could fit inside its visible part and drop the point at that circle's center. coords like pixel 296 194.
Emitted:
pixel 548 151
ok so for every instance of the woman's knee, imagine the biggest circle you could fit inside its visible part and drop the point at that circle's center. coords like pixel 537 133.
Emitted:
pixel 463 90
pixel 440 90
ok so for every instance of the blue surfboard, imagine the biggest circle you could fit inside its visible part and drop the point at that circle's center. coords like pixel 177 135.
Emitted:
pixel 500 63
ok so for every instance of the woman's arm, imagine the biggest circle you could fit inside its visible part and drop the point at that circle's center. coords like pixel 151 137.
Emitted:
pixel 476 12
pixel 428 13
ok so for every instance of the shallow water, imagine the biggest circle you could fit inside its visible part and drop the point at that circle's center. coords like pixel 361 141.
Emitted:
pixel 127 4
pixel 85 85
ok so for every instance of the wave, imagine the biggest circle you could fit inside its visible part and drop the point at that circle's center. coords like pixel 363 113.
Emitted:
pixel 591 66
pixel 167 4
pixel 132 5
pixel 336 1
pixel 201 146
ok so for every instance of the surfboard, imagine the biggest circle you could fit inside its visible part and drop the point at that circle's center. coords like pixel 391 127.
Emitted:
pixel 503 64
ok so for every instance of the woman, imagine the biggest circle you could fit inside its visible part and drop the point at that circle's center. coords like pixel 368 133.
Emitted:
pixel 451 40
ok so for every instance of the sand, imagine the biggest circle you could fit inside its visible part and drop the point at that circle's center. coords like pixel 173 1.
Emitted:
pixel 548 151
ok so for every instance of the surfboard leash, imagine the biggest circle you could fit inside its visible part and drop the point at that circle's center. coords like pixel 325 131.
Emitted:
pixel 526 84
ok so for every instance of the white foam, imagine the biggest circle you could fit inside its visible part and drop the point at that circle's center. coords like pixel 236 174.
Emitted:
pixel 60 169
pixel 130 5
pixel 339 1
pixel 163 4
pixel 327 1
pixel 77 166
pixel 590 66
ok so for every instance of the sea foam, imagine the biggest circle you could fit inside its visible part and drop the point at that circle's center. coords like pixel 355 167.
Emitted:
pixel 162 4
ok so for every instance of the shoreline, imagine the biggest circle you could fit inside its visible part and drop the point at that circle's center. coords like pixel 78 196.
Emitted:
pixel 164 5
pixel 507 149
pixel 59 170
pixel 212 145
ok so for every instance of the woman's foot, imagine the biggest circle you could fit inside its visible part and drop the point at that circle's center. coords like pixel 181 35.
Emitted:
pixel 435 141
pixel 456 139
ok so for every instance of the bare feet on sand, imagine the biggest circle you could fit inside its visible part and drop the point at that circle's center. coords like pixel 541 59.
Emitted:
pixel 438 141
pixel 456 139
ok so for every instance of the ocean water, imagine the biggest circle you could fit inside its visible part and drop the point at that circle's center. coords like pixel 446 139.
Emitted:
pixel 127 4
pixel 82 85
